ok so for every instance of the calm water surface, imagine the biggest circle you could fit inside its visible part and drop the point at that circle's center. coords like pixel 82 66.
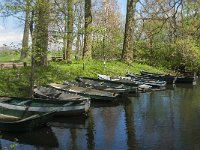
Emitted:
pixel 167 119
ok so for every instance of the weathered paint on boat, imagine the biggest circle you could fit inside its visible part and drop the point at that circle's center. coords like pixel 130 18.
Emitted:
pixel 110 87
pixel 32 106
pixel 161 77
pixel 87 92
pixel 22 121
pixel 52 93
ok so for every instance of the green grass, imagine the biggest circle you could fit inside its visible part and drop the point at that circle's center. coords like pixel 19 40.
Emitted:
pixel 13 56
pixel 15 82
pixel 9 57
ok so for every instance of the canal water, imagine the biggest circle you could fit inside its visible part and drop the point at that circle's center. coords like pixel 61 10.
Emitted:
pixel 159 120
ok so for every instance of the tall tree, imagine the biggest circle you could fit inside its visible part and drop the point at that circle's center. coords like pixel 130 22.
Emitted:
pixel 127 52
pixel 78 38
pixel 26 30
pixel 65 32
pixel 79 25
pixel 87 49
pixel 41 31
pixel 70 30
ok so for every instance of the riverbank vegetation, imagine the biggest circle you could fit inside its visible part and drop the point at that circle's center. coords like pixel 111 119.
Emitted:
pixel 16 82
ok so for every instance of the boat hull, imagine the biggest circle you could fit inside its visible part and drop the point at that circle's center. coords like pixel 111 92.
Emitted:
pixel 189 80
pixel 106 86
pixel 24 124
pixel 87 92
pixel 61 107
pixel 168 78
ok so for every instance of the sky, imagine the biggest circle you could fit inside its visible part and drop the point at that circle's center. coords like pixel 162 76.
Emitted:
pixel 11 30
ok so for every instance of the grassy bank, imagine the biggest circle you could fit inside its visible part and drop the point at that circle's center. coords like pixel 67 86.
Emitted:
pixel 15 82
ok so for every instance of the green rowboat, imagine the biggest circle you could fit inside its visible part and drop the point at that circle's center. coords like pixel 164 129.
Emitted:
pixel 22 121
pixel 34 106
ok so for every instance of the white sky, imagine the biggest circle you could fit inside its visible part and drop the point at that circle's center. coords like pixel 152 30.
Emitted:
pixel 8 36
pixel 11 30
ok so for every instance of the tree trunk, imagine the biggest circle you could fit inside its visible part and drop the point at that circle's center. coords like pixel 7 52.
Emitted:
pixel 87 49
pixel 65 38
pixel 127 52
pixel 79 16
pixel 70 30
pixel 78 40
pixel 32 75
pixel 25 39
pixel 41 32
pixel 78 46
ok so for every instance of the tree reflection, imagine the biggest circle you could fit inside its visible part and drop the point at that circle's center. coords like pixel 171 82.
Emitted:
pixel 129 118
pixel 73 139
pixel 90 131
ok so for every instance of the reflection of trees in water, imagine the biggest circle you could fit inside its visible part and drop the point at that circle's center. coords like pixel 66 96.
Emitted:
pixel 39 138
pixel 63 136
pixel 155 114
pixel 73 139
pixel 171 109
pixel 90 131
pixel 168 119
pixel 70 132
pixel 110 119
pixel 129 118
pixel 190 116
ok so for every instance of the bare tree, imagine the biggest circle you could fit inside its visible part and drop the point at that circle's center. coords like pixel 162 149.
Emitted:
pixel 108 32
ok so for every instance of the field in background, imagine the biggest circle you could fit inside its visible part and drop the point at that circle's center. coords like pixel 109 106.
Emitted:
pixel 10 56
pixel 14 56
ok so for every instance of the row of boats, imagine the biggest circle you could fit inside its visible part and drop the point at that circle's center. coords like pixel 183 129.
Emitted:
pixel 74 98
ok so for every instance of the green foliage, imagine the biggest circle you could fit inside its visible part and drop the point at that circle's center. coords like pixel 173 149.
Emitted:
pixel 10 7
pixel 158 41
pixel 187 52
pixel 184 51
pixel 108 45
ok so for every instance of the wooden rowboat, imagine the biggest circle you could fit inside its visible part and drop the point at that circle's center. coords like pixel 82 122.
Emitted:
pixel 109 87
pixel 52 93
pixel 35 106
pixel 186 79
pixel 155 84
pixel 86 92
pixel 123 81
pixel 170 79
pixel 11 121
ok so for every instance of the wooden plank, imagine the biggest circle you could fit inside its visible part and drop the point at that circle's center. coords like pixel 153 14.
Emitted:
pixel 56 58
